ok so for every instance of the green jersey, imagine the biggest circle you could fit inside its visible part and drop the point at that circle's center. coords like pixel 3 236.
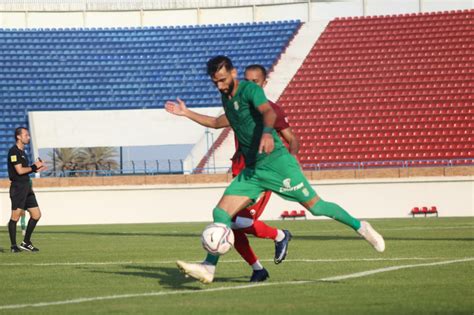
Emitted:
pixel 247 122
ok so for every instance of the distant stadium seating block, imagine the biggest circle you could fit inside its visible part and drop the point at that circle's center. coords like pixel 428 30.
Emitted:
pixel 79 69
pixel 386 91
pixel 424 211
pixel 293 214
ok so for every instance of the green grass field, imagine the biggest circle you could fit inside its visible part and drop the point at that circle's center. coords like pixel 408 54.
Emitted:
pixel 126 269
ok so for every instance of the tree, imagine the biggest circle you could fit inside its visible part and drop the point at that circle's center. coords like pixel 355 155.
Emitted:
pixel 99 158
pixel 63 160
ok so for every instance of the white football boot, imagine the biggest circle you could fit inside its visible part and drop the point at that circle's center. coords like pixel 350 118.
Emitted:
pixel 371 236
pixel 201 272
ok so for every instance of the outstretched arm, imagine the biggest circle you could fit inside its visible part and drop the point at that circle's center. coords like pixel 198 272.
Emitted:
pixel 179 109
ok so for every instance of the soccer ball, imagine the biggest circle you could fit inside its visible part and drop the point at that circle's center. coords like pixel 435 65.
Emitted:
pixel 217 239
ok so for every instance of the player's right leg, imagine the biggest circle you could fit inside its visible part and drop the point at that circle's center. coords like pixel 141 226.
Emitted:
pixel 227 207
pixel 18 197
pixel 237 196
pixel 15 216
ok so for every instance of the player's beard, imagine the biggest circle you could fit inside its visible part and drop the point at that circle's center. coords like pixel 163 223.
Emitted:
pixel 229 90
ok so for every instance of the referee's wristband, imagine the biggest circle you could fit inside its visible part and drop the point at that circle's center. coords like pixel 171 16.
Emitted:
pixel 268 129
pixel 34 168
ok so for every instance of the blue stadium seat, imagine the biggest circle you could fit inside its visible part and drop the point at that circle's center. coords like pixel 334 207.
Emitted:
pixel 106 68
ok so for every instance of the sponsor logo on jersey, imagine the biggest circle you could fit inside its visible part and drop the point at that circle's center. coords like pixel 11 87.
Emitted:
pixel 305 192
pixel 287 186
pixel 236 105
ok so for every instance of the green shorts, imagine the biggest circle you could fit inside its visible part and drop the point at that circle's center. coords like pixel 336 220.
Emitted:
pixel 282 175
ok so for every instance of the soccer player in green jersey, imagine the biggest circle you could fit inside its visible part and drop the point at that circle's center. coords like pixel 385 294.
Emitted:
pixel 269 165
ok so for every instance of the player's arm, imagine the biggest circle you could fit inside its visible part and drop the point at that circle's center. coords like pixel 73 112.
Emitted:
pixel 291 139
pixel 179 108
pixel 269 117
pixel 38 166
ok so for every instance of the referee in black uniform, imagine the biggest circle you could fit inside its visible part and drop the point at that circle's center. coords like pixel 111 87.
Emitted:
pixel 21 191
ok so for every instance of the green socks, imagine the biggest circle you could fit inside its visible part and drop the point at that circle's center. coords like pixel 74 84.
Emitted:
pixel 334 211
pixel 220 216
pixel 23 222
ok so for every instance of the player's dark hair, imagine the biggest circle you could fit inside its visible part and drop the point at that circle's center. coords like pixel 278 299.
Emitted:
pixel 18 132
pixel 257 67
pixel 217 63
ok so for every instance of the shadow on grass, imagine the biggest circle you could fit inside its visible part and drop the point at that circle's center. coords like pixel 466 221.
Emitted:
pixel 168 277
pixel 295 236
pixel 92 233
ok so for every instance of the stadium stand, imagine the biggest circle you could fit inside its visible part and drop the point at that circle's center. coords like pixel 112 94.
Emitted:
pixel 92 69
pixel 386 91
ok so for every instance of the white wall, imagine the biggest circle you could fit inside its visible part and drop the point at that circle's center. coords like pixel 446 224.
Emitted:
pixel 282 12
pixel 170 17
pixel 304 11
pixel 331 10
pixel 113 19
pixel 96 128
pixel 78 129
pixel 185 203
pixel 384 7
pixel 225 15
pixel 55 19
pixel 13 19
pixel 446 5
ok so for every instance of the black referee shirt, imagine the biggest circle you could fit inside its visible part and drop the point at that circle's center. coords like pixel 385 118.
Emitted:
pixel 17 156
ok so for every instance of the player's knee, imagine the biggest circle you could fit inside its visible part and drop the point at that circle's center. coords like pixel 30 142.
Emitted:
pixel 15 215
pixel 314 206
pixel 36 215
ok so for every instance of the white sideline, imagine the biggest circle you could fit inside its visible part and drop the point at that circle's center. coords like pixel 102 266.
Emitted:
pixel 239 287
pixel 164 262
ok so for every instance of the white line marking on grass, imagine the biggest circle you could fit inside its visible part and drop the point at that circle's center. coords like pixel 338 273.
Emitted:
pixel 164 262
pixel 239 287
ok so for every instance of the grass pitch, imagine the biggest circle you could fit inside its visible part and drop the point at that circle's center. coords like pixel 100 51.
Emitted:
pixel 428 267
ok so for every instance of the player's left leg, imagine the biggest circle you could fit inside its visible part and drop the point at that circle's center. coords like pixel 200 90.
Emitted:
pixel 320 207
pixel 285 177
pixel 262 230
pixel 35 215
pixel 281 237
pixel 243 247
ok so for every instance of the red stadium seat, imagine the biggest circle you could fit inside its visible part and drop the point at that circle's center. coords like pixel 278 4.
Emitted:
pixel 365 79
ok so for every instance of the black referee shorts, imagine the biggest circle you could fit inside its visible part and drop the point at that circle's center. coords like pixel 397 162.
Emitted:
pixel 22 196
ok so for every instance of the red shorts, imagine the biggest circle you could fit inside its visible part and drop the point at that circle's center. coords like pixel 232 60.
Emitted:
pixel 254 211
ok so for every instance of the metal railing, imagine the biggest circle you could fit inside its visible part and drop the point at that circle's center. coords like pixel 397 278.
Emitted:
pixel 164 167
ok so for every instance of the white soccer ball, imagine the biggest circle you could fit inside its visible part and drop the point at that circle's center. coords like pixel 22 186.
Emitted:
pixel 217 239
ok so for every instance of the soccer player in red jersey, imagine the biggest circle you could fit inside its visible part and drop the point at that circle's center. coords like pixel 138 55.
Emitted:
pixel 247 220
